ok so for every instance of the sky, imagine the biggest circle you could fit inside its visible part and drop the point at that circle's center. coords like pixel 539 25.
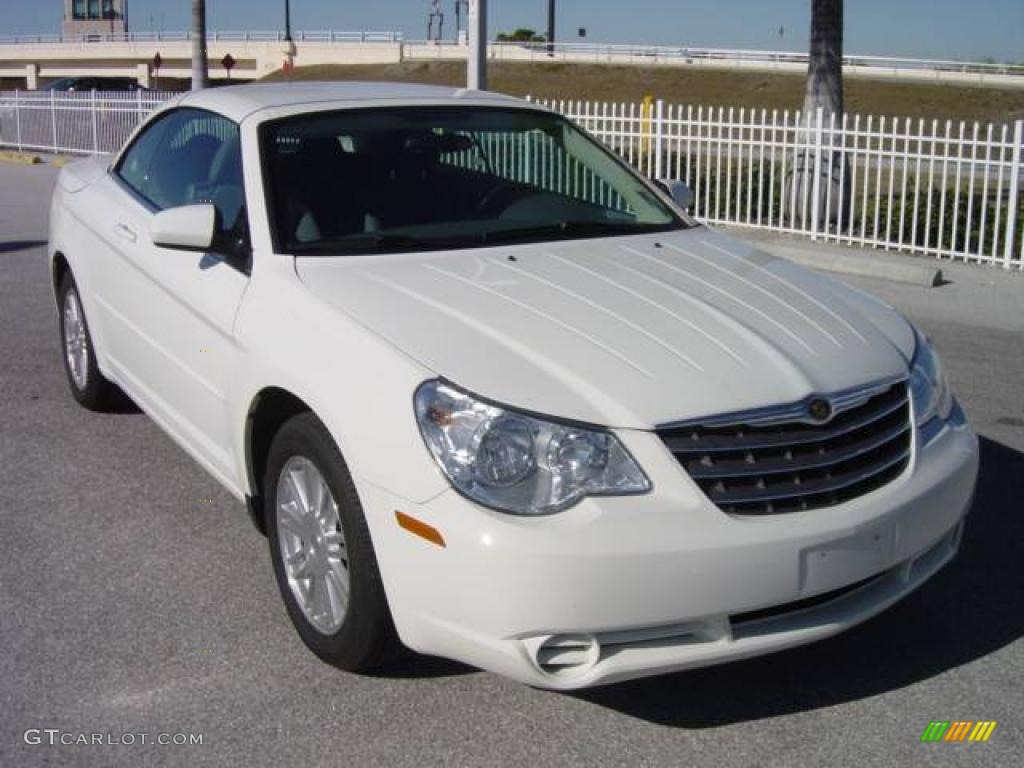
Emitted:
pixel 940 29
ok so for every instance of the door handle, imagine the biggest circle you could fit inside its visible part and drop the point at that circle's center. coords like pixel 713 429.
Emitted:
pixel 125 232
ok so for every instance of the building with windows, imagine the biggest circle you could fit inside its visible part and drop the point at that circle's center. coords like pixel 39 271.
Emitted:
pixel 94 18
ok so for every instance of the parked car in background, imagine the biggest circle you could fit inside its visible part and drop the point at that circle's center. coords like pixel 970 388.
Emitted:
pixel 85 84
pixel 494 396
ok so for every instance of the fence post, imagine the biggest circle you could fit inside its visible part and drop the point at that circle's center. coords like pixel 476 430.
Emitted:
pixel 53 118
pixel 17 118
pixel 816 187
pixel 1011 212
pixel 659 137
pixel 95 127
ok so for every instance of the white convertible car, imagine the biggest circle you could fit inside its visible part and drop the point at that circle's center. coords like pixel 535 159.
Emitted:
pixel 495 397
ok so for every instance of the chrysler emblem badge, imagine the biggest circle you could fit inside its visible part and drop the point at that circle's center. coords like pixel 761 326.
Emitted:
pixel 820 409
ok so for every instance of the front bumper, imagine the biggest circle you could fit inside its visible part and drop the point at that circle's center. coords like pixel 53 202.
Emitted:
pixel 619 588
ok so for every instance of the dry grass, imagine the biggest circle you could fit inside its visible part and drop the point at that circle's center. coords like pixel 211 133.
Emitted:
pixel 695 86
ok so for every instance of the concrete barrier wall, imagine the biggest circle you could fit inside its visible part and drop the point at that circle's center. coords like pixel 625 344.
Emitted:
pixel 38 62
pixel 908 70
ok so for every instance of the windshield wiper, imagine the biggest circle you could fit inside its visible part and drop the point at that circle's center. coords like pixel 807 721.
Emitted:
pixel 382 242
pixel 374 242
pixel 572 228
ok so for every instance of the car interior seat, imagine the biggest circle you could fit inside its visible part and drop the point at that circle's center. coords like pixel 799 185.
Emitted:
pixel 226 189
pixel 320 191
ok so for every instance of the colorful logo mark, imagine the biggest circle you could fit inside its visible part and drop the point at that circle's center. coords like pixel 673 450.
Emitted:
pixel 958 730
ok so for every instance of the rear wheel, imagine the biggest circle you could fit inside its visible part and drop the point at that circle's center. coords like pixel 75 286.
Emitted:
pixel 88 386
pixel 321 550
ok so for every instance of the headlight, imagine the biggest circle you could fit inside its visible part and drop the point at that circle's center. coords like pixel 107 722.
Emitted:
pixel 928 386
pixel 518 463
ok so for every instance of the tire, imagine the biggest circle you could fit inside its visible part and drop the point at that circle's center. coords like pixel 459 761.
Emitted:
pixel 362 638
pixel 88 386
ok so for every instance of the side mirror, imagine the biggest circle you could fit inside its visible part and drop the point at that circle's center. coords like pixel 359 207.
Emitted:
pixel 681 194
pixel 188 227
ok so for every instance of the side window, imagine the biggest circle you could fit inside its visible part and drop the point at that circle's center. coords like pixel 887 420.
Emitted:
pixel 189 156
pixel 135 166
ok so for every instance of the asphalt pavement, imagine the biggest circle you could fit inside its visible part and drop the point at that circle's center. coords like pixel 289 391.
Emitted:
pixel 135 597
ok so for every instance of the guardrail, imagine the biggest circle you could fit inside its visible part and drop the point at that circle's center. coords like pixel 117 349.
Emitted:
pixel 601 51
pixel 327 36
pixel 937 70
pixel 936 188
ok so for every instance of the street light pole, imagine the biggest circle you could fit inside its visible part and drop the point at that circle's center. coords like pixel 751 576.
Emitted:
pixel 551 26
pixel 476 75
pixel 287 21
pixel 200 76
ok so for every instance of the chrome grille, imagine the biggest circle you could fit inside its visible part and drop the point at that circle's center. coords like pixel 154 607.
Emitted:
pixel 776 461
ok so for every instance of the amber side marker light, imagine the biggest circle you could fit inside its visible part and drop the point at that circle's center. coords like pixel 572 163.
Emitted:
pixel 421 529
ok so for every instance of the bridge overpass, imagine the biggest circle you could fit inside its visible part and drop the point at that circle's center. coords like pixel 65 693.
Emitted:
pixel 40 59
pixel 35 60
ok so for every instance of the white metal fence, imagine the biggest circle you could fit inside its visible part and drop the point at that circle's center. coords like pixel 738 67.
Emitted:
pixel 75 123
pixel 927 187
pixel 951 190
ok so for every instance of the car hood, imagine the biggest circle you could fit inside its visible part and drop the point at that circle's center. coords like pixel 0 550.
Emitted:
pixel 629 332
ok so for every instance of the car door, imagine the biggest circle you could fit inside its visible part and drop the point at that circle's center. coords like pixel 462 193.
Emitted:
pixel 168 314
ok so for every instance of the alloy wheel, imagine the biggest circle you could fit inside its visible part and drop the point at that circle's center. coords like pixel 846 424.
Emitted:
pixel 76 343
pixel 312 544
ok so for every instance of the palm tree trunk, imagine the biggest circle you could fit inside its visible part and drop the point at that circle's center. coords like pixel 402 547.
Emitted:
pixel 825 68
pixel 824 94
pixel 200 78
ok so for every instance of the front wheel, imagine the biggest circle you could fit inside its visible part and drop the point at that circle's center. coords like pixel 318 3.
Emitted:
pixel 88 386
pixel 321 550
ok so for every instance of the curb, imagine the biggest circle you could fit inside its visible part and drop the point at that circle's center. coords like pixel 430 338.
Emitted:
pixel 860 265
pixel 19 158
pixel 847 261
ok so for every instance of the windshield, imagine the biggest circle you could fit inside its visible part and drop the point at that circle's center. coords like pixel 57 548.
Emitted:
pixel 445 177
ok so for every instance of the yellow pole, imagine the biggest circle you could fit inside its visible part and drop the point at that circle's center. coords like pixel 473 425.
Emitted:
pixel 646 111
